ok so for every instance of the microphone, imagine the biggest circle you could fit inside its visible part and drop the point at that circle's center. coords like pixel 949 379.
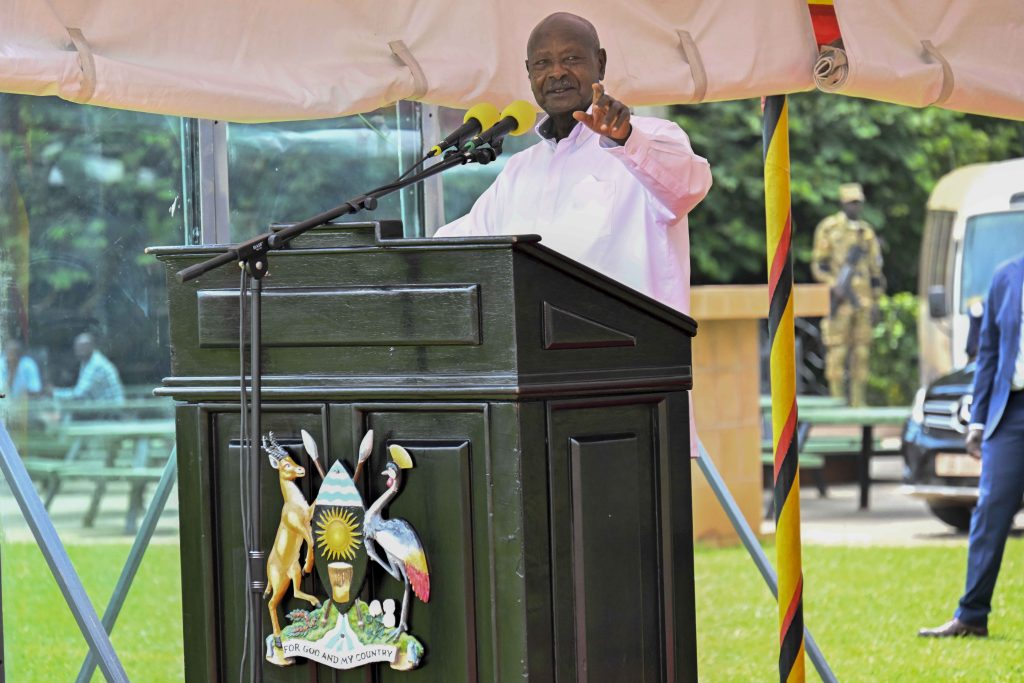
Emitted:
pixel 478 118
pixel 516 119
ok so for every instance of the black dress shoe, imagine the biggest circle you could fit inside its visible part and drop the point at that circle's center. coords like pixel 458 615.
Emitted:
pixel 954 628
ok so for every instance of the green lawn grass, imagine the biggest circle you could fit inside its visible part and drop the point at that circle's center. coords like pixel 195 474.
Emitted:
pixel 41 639
pixel 863 606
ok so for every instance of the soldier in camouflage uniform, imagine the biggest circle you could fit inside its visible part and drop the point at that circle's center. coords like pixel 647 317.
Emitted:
pixel 847 257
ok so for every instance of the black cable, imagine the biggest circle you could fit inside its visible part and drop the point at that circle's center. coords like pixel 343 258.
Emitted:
pixel 415 166
pixel 244 465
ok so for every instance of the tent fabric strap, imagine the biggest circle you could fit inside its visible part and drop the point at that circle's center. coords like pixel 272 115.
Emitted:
pixel 691 54
pixel 87 64
pixel 948 81
pixel 419 78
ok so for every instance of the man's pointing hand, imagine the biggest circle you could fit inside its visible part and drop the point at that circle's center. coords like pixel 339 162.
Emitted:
pixel 607 116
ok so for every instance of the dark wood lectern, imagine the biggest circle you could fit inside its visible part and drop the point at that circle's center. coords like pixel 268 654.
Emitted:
pixel 545 407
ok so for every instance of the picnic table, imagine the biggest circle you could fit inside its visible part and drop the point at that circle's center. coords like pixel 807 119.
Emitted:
pixel 132 450
pixel 867 418
pixel 51 409
pixel 806 401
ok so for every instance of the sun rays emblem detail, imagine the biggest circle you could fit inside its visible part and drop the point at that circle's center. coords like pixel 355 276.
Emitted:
pixel 338 535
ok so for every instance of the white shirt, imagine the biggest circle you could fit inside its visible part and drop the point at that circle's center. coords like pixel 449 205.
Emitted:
pixel 619 209
pixel 1017 382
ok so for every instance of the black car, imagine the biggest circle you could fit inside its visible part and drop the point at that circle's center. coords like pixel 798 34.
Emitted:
pixel 937 468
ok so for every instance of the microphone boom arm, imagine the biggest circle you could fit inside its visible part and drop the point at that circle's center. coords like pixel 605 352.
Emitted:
pixel 252 254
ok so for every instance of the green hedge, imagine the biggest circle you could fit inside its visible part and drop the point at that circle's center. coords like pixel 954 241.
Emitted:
pixel 894 374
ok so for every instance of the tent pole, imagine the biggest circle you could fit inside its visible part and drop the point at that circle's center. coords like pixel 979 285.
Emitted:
pixel 782 363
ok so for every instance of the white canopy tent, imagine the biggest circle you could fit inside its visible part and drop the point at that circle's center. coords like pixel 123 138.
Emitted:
pixel 251 60
pixel 965 55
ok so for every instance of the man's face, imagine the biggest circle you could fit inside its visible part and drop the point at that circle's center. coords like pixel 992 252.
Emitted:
pixel 852 209
pixel 563 64
pixel 83 349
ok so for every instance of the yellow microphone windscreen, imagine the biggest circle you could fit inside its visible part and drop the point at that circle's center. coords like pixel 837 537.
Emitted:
pixel 524 114
pixel 484 112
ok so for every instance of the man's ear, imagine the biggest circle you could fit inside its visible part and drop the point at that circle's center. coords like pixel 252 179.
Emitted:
pixel 602 60
pixel 526 62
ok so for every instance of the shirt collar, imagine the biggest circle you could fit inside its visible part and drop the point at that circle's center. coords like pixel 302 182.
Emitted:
pixel 577 136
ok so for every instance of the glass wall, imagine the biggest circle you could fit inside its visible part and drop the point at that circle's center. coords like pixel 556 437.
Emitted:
pixel 286 172
pixel 83 191
pixel 83 327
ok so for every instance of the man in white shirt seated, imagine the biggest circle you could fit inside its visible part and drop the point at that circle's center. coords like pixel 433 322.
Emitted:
pixel 605 188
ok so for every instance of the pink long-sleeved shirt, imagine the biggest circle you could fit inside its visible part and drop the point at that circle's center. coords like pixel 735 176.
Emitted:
pixel 619 209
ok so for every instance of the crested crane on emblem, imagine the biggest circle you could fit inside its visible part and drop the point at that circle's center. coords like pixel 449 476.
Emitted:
pixel 404 557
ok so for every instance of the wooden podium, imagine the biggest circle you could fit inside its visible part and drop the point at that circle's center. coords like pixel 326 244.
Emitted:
pixel 545 407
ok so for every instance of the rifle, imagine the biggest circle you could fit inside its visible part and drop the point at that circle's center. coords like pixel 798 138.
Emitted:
pixel 842 292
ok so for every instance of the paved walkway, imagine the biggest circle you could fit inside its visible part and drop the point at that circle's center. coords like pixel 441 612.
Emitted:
pixel 893 518
pixel 69 508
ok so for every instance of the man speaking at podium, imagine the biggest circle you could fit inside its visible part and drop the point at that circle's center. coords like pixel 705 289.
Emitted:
pixel 603 187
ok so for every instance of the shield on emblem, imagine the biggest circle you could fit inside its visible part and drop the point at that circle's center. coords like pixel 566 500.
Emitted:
pixel 338 537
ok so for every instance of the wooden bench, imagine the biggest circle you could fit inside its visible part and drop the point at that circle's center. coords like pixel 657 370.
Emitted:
pixel 809 463
pixel 810 460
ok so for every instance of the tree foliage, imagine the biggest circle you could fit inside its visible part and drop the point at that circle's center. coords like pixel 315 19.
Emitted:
pixel 893 376
pixel 896 153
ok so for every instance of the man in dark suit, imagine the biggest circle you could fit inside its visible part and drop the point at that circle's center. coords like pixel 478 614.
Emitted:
pixel 996 435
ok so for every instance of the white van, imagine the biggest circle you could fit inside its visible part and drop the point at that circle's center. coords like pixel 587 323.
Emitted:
pixel 975 221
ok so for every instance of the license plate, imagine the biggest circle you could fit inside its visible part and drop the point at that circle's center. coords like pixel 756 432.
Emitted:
pixel 957 465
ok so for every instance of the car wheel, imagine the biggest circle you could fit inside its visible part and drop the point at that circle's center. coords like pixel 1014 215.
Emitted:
pixel 957 516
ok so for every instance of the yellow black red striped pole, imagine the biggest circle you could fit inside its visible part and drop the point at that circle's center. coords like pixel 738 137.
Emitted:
pixel 782 362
